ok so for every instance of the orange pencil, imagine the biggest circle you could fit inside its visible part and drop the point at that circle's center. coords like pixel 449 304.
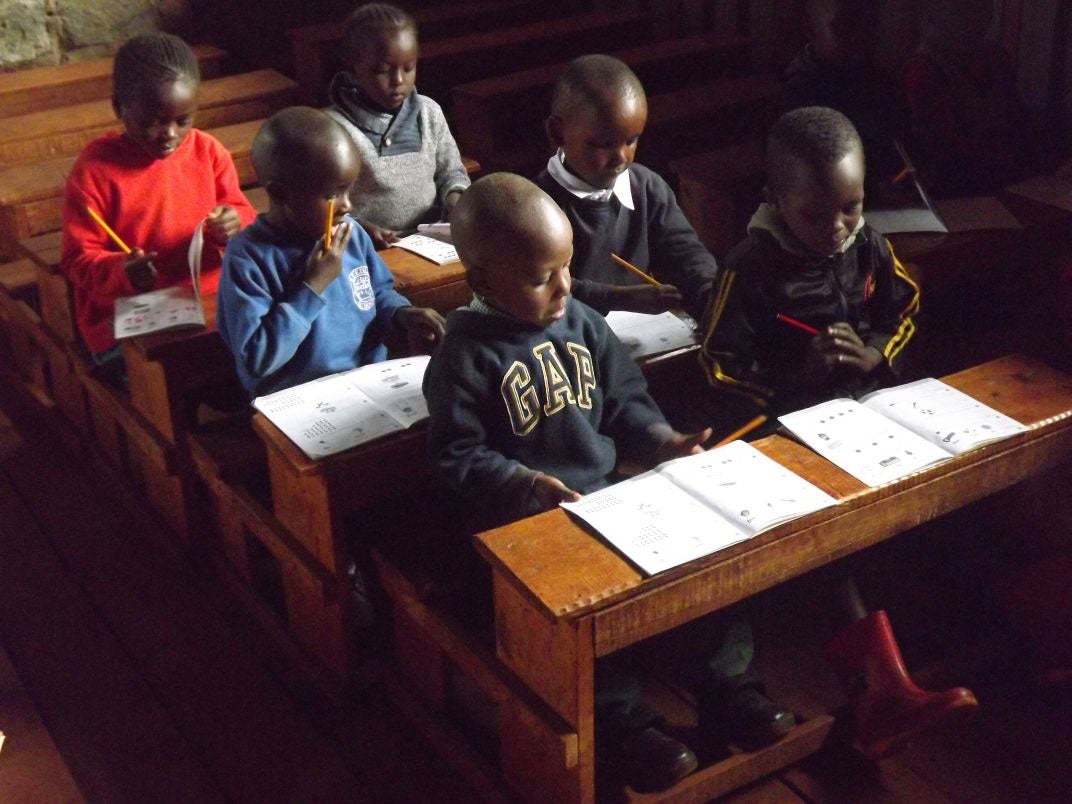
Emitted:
pixel 741 432
pixel 900 177
pixel 630 267
pixel 108 230
pixel 331 222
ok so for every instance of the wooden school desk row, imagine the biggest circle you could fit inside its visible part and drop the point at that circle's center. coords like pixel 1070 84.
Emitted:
pixel 563 598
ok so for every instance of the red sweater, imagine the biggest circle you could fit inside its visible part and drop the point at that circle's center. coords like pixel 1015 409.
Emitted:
pixel 153 204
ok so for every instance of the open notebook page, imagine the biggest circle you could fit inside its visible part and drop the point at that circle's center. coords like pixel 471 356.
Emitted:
pixel 654 523
pixel 644 334
pixel 746 486
pixel 395 385
pixel 943 415
pixel 864 443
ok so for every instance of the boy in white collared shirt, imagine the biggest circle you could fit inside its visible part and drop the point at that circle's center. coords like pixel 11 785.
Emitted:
pixel 598 113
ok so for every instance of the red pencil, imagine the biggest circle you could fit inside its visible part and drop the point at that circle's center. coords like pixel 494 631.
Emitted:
pixel 798 324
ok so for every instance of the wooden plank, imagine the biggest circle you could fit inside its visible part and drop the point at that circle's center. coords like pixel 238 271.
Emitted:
pixel 181 647
pixel 120 743
pixel 31 768
pixel 47 134
pixel 40 88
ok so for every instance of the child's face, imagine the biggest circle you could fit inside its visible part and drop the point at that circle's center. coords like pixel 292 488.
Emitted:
pixel 533 285
pixel 600 145
pixel 159 120
pixel 305 209
pixel 822 206
pixel 387 69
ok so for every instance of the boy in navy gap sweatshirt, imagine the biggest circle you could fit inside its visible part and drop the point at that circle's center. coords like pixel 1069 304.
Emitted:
pixel 533 401
pixel 290 307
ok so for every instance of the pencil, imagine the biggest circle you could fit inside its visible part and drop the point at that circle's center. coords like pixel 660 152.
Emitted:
pixel 900 177
pixel 331 222
pixel 630 267
pixel 742 431
pixel 108 230
pixel 798 324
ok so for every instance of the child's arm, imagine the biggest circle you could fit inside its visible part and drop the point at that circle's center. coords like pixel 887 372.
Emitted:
pixel 451 178
pixel 892 307
pixel 233 211
pixel 496 488
pixel 264 332
pixel 90 259
pixel 677 255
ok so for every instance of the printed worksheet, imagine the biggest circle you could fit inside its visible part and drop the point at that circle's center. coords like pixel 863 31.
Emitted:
pixel 746 486
pixel 862 441
pixel 948 418
pixel 1053 190
pixel 693 506
pixel 436 249
pixel 654 523
pixel 343 410
pixel 644 334
pixel 169 308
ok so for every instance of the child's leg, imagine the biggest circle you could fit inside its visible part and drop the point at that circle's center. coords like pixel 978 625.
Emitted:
pixel 887 704
pixel 109 366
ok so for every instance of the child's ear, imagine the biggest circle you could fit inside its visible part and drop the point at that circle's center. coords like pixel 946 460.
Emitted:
pixel 553 126
pixel 277 191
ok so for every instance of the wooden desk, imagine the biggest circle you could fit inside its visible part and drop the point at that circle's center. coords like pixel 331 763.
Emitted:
pixel 563 598
pixel 441 287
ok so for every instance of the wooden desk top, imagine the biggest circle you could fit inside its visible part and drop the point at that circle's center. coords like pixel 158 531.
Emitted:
pixel 414 273
pixel 568 573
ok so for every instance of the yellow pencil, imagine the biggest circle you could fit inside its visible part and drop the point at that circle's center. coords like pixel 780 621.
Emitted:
pixel 331 222
pixel 900 177
pixel 743 431
pixel 630 267
pixel 108 230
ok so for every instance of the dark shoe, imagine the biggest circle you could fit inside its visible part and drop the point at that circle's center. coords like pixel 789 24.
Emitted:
pixel 887 705
pixel 745 715
pixel 652 759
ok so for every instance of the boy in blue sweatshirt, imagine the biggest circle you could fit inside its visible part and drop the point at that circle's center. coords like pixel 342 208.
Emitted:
pixel 290 306
pixel 534 401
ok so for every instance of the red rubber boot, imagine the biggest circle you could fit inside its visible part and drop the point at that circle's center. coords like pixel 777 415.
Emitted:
pixel 888 707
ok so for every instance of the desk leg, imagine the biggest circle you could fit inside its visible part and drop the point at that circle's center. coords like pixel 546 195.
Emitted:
pixel 557 662
pixel 148 389
pixel 304 505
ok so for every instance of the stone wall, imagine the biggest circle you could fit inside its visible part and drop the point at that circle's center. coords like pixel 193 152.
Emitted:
pixel 36 32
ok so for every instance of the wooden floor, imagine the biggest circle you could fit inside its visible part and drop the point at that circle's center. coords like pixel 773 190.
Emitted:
pixel 132 679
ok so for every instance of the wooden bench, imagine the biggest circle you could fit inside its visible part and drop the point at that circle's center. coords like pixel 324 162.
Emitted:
pixel 491 114
pixel 690 119
pixel 35 136
pixel 315 48
pixel 41 88
pixel 448 62
pixel 31 196
pixel 563 598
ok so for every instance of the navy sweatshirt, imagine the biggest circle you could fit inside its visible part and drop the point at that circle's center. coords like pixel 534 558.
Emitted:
pixel 508 400
pixel 655 236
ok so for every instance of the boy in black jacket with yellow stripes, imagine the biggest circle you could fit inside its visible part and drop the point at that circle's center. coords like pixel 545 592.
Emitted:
pixel 812 306
pixel 810 257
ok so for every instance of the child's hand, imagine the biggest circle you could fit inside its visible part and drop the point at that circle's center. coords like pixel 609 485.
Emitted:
pixel 449 203
pixel 381 238
pixel 680 444
pixel 323 266
pixel 222 224
pixel 550 491
pixel 645 298
pixel 140 270
pixel 423 327
pixel 839 346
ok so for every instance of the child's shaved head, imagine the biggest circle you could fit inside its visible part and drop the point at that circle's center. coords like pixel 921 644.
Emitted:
pixel 516 245
pixel 297 143
pixel 817 136
pixel 594 82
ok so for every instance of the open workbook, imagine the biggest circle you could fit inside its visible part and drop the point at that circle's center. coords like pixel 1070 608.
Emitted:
pixel 343 410
pixel 691 507
pixel 897 431
pixel 168 308
pixel 643 334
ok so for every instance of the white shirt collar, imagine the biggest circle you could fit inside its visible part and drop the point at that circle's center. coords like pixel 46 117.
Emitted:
pixel 579 187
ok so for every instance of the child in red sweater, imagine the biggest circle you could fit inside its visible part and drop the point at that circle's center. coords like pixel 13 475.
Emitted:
pixel 153 183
